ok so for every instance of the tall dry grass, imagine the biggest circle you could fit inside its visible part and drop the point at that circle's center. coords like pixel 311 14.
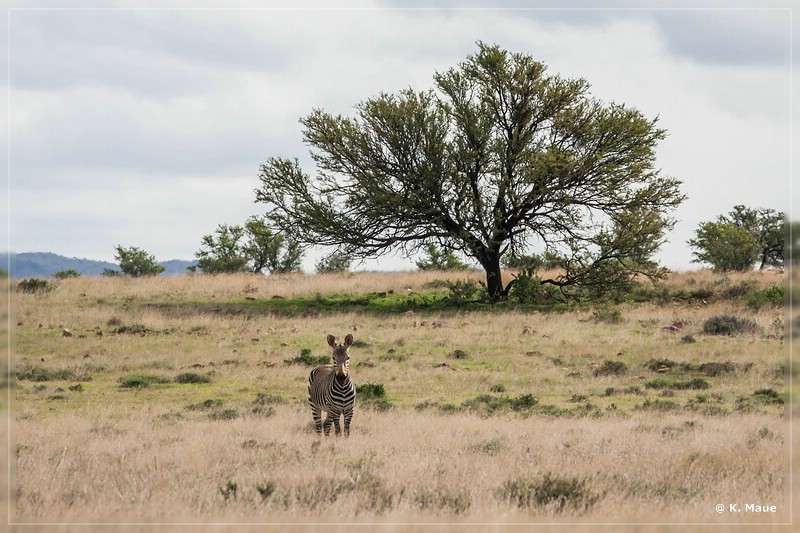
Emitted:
pixel 172 453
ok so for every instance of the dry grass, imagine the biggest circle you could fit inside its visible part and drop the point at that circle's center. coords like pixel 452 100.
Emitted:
pixel 457 443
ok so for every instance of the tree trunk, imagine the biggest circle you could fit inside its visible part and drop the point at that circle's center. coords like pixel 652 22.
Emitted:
pixel 494 278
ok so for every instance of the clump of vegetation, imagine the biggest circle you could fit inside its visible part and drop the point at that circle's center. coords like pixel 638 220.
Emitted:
pixel 191 377
pixel 34 285
pixel 729 325
pixel 548 491
pixel 607 315
pixel 133 329
pixel 459 354
pixel 774 296
pixel 488 404
pixel 224 414
pixel 768 396
pixel 672 384
pixel 658 405
pixel 656 364
pixel 205 405
pixel 305 358
pixel 374 395
pixel 611 368
pixel 138 381
pixel 465 291
pixel 65 274
pixel 40 373
pixel 444 500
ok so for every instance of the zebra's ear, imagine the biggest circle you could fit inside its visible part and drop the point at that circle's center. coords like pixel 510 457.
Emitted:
pixel 331 341
pixel 348 341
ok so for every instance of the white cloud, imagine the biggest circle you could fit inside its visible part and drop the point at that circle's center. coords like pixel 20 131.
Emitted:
pixel 120 113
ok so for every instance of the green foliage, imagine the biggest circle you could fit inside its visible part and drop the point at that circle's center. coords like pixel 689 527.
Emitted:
pixel 437 258
pixel 607 315
pixel 136 262
pixel 40 373
pixel 370 391
pixel 138 381
pixel 333 263
pixel 305 358
pixel 741 238
pixel 65 274
pixel 464 292
pixel 191 377
pixel 665 383
pixel 34 285
pixel 253 247
pixel 548 491
pixel 729 325
pixel 774 296
pixel 526 288
pixel 611 368
pixel 446 165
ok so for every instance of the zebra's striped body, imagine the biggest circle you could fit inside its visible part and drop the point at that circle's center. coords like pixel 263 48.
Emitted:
pixel 331 390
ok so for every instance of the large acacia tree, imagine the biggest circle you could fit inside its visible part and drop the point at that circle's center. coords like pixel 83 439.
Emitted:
pixel 499 157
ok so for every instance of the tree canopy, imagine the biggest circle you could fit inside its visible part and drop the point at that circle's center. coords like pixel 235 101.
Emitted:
pixel 740 239
pixel 498 158
pixel 253 247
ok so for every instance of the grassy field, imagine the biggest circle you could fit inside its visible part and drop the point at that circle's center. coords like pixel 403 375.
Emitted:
pixel 183 400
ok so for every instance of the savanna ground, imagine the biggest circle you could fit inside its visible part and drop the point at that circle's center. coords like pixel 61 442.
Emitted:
pixel 183 400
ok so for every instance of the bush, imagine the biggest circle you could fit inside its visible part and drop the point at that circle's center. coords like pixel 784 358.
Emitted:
pixel 140 381
pixel 663 383
pixel 305 358
pixel 466 291
pixel 373 395
pixel 611 368
pixel 560 493
pixel 729 325
pixel 774 296
pixel 191 377
pixel 34 285
pixel 607 315
pixel 64 274
pixel 40 373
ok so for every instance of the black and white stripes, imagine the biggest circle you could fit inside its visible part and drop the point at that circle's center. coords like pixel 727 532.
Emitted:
pixel 331 390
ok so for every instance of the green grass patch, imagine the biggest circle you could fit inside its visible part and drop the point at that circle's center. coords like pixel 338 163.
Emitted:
pixel 191 377
pixel 139 381
pixel 674 384
pixel 40 373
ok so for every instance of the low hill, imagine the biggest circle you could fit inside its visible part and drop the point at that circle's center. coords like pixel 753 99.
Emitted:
pixel 45 264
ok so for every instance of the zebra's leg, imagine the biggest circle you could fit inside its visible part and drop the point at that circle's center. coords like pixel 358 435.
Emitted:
pixel 336 425
pixel 327 424
pixel 317 418
pixel 348 416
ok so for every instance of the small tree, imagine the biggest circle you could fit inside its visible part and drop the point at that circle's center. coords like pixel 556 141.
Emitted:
pixel 136 262
pixel 440 259
pixel 335 262
pixel 253 247
pixel 740 239
pixel 221 252
pixel 64 274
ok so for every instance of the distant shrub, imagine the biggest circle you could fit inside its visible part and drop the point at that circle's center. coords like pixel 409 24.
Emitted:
pixel 774 296
pixel 374 395
pixel 191 377
pixel 607 315
pixel 64 274
pixel 768 396
pixel 459 354
pixel 655 364
pixel 140 381
pixel 548 491
pixel 305 358
pixel 40 373
pixel 34 285
pixel 611 368
pixel 729 325
pixel 224 414
pixel 466 291
pixel 664 383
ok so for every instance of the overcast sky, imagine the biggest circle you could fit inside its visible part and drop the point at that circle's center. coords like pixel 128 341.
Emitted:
pixel 146 127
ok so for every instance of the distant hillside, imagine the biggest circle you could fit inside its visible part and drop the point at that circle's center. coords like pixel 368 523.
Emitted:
pixel 45 264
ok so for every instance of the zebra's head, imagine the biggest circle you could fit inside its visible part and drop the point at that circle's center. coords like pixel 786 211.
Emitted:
pixel 341 354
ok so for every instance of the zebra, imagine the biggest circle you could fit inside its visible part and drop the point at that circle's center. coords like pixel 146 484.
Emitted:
pixel 331 390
